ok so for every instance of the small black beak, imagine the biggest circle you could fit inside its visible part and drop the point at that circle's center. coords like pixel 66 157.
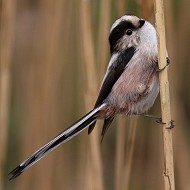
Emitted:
pixel 141 23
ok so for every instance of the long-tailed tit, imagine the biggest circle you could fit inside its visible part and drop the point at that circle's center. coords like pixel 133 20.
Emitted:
pixel 130 85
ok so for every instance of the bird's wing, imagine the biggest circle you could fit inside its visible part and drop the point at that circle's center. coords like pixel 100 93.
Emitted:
pixel 115 69
pixel 114 72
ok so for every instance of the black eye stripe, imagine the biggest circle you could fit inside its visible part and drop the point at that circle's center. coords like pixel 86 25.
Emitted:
pixel 118 32
pixel 121 28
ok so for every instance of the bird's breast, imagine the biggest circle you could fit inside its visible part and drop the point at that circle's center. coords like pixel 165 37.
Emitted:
pixel 136 89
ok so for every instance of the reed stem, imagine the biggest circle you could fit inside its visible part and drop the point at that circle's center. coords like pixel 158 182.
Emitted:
pixel 169 183
pixel 6 46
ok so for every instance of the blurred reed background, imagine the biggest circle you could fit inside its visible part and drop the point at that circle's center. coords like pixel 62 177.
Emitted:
pixel 53 57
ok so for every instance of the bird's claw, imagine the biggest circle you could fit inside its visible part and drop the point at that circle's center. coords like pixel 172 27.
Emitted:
pixel 167 63
pixel 159 120
pixel 171 125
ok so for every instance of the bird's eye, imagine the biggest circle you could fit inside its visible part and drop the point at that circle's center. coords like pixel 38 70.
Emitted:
pixel 129 32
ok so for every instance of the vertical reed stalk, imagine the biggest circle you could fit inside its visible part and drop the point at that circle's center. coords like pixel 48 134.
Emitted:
pixel 123 168
pixel 169 183
pixel 147 8
pixel 130 150
pixel 121 128
pixel 95 164
pixel 121 6
pixel 41 75
pixel 102 47
pixel 6 44
pixel 51 74
pixel 120 152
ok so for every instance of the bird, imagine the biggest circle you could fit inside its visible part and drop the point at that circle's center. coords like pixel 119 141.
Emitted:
pixel 129 87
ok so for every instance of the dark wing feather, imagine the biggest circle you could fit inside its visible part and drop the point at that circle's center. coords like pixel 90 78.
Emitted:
pixel 107 123
pixel 114 73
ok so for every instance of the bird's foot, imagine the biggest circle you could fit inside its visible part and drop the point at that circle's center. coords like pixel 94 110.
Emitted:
pixel 159 120
pixel 167 63
pixel 171 125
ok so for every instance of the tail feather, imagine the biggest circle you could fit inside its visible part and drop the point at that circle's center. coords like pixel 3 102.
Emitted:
pixel 91 127
pixel 63 137
pixel 107 123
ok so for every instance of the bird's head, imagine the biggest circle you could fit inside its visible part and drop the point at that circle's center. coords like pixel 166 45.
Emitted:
pixel 131 31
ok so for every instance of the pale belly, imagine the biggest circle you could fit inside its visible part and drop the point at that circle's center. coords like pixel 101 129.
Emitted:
pixel 134 92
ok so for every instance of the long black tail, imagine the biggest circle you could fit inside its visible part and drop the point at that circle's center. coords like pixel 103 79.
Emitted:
pixel 63 137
